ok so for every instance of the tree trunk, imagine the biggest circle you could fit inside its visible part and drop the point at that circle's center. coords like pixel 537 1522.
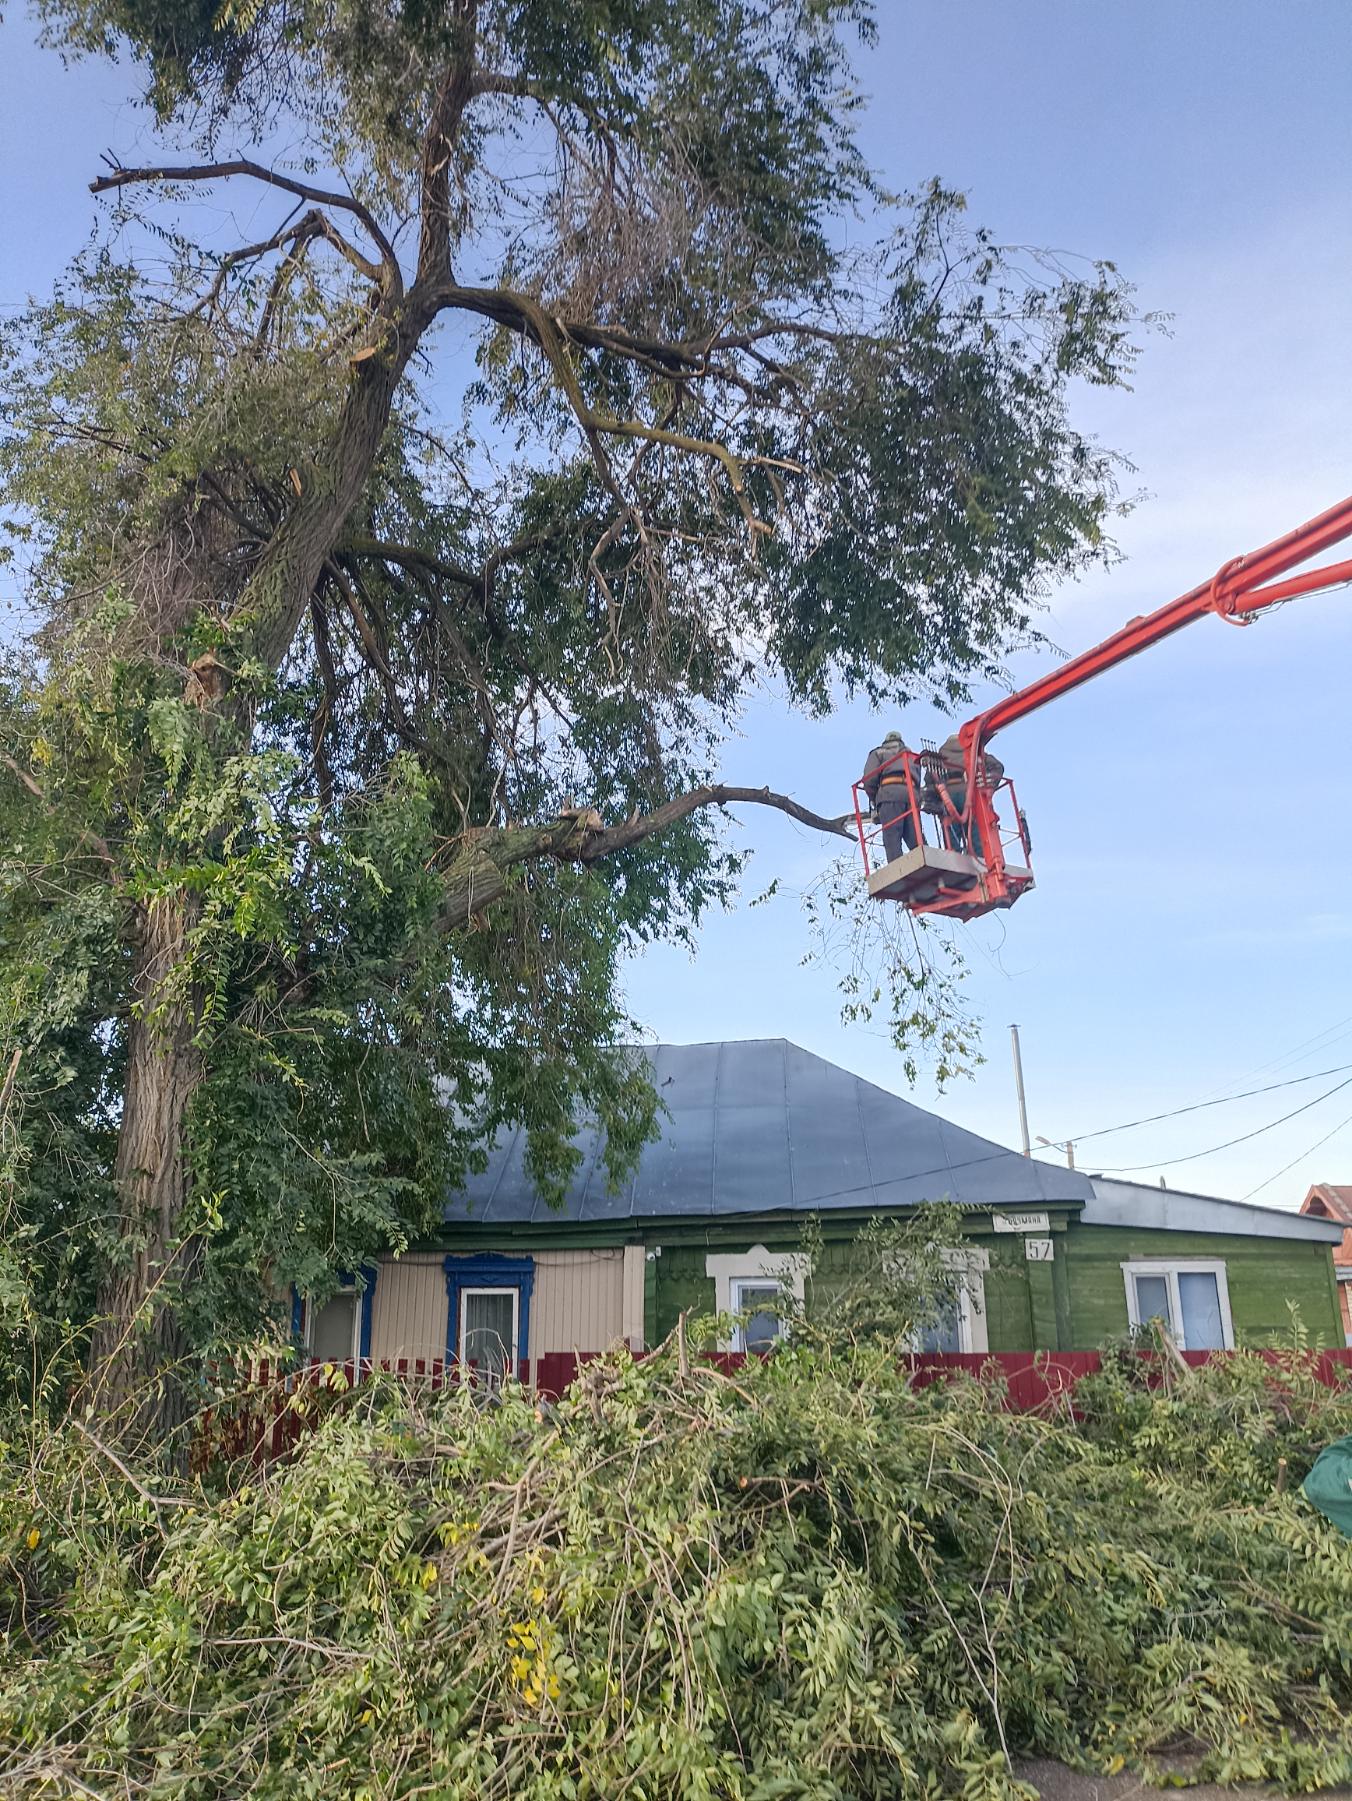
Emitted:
pixel 136 1370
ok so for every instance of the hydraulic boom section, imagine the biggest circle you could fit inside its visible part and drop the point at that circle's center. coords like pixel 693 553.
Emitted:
pixel 962 848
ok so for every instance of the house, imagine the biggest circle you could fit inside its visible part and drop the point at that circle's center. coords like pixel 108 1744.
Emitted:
pixel 1326 1200
pixel 757 1136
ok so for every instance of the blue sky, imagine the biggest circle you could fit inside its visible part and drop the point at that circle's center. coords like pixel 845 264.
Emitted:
pixel 1188 937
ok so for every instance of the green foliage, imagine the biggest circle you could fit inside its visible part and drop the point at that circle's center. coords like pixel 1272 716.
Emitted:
pixel 805 1580
pixel 1229 1430
pixel 890 965
pixel 894 1279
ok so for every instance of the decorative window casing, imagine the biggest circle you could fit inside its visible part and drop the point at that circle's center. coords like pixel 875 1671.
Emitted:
pixel 741 1279
pixel 487 1302
pixel 1191 1296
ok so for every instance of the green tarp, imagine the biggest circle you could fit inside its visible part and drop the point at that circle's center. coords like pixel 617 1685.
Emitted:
pixel 1329 1484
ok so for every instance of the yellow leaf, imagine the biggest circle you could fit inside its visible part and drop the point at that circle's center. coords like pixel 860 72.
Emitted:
pixel 34 1538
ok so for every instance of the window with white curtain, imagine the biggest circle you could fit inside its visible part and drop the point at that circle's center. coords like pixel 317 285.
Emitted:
pixel 1190 1296
pixel 488 1330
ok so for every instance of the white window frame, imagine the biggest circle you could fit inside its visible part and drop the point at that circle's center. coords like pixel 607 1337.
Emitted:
pixel 312 1312
pixel 736 1287
pixel 1171 1268
pixel 513 1357
pixel 786 1271
pixel 973 1333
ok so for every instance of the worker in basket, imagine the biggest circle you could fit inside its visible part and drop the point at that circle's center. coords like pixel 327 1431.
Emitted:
pixel 946 793
pixel 884 781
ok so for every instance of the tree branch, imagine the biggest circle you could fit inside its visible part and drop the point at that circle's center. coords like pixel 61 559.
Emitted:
pixel 91 838
pixel 408 556
pixel 605 843
pixel 243 165
pixel 453 95
pixel 481 873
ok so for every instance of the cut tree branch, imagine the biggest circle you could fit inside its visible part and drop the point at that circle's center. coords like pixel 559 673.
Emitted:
pixel 481 873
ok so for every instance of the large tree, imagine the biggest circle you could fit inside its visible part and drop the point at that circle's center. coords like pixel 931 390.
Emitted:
pixel 474 399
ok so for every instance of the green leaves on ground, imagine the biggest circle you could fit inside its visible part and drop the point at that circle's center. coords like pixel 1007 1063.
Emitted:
pixel 801 1581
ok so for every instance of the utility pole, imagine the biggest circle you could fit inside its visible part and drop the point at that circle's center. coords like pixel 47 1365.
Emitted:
pixel 1018 1084
pixel 1068 1147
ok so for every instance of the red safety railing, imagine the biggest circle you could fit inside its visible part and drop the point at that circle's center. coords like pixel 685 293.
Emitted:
pixel 271 1411
pixel 916 809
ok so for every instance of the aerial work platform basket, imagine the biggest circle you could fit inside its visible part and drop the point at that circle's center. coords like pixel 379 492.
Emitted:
pixel 947 835
pixel 941 843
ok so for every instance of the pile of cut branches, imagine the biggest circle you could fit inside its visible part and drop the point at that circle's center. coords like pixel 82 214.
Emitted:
pixel 802 1581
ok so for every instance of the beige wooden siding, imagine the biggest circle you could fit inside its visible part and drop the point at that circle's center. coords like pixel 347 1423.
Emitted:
pixel 408 1309
pixel 578 1302
pixel 582 1300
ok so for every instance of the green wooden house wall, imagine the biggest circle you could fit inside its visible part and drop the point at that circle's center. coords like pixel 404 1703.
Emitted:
pixel 1266 1278
pixel 1076 1302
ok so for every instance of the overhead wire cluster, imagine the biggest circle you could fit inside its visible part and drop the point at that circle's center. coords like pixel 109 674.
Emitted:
pixel 1322 1040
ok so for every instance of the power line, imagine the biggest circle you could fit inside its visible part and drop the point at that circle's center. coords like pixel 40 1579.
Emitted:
pixel 1197 1106
pixel 1307 1152
pixel 1312 1046
pixel 1126 1169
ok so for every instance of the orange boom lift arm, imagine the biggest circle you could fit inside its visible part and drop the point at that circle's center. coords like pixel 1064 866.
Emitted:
pixel 950 877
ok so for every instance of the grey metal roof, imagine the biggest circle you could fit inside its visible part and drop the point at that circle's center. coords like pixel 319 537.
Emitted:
pixel 762 1126
pixel 1117 1203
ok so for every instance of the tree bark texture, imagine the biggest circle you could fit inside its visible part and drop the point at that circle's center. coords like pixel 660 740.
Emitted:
pixel 136 1378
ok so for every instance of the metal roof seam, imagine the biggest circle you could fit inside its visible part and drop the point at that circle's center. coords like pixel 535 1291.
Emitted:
pixel 502 1171
pixel 788 1117
pixel 863 1134
pixel 587 1171
pixel 713 1133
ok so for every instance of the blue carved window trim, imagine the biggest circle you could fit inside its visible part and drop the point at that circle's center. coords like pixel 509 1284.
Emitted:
pixel 346 1279
pixel 488 1270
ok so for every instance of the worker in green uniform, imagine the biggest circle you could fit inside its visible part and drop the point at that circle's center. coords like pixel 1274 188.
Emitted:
pixel 963 834
pixel 884 781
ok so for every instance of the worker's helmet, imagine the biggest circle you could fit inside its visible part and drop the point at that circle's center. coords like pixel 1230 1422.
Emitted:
pixel 893 737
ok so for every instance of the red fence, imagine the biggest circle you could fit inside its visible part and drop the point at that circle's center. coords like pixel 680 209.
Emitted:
pixel 275 1408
